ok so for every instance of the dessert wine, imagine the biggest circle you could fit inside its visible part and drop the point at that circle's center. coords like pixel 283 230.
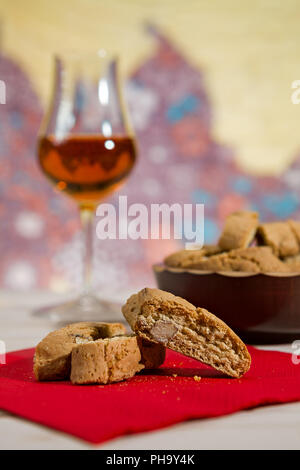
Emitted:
pixel 87 167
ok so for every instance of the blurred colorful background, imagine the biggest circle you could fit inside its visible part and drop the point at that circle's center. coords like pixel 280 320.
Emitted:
pixel 208 85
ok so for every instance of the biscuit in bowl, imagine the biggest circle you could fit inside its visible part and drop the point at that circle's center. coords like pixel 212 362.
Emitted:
pixel 239 230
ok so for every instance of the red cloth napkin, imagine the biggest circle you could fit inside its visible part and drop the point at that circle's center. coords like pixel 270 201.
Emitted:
pixel 150 400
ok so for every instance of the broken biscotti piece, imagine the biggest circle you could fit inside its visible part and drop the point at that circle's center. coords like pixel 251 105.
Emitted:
pixel 254 259
pixel 163 318
pixel 52 359
pixel 239 231
pixel 106 360
pixel 280 237
pixel 190 258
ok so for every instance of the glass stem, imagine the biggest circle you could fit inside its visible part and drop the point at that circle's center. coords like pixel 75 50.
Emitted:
pixel 87 222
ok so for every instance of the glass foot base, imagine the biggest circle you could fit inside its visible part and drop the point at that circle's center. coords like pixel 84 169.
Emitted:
pixel 85 308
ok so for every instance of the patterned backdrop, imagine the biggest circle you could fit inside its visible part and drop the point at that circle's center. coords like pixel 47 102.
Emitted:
pixel 179 161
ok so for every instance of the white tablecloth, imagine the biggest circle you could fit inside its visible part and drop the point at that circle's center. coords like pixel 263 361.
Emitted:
pixel 271 427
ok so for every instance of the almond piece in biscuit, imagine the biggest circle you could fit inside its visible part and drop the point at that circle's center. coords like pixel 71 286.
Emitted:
pixel 52 359
pixel 239 230
pixel 106 360
pixel 280 237
pixel 163 318
pixel 190 258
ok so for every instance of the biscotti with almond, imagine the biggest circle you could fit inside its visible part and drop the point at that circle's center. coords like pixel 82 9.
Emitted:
pixel 52 359
pixel 245 246
pixel 239 230
pixel 280 237
pixel 106 360
pixel 254 259
pixel 190 258
pixel 163 318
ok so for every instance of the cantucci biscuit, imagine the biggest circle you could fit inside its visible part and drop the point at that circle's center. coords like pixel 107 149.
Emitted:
pixel 106 360
pixel 239 230
pixel 52 359
pixel 190 258
pixel 254 259
pixel 280 237
pixel 165 319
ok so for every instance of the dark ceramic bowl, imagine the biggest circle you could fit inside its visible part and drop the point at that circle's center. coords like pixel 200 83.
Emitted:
pixel 260 308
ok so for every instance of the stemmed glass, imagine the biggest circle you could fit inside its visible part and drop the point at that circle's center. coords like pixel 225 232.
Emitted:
pixel 86 149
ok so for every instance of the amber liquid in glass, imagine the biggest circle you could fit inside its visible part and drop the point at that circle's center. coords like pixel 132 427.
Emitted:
pixel 87 167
